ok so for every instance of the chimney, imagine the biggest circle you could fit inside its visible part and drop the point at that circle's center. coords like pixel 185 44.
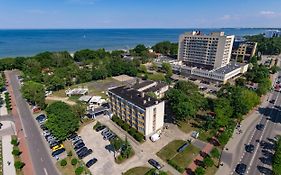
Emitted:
pixel 142 94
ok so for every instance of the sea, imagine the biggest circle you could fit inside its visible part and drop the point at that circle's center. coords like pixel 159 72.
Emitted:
pixel 28 42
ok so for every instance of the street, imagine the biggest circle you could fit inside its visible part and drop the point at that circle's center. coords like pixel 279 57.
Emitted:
pixel 40 155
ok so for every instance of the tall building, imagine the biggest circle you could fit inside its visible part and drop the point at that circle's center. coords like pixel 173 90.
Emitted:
pixel 140 111
pixel 242 51
pixel 205 51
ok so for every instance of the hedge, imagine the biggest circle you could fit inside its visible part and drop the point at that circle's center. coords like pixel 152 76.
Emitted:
pixel 132 131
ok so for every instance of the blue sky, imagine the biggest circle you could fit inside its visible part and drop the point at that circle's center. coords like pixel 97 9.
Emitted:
pixel 139 13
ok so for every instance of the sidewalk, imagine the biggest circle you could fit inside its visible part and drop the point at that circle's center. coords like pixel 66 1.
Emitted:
pixel 3 110
pixel 25 156
pixel 7 148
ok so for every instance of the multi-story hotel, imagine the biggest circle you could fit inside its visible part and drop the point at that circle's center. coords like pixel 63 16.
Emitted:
pixel 243 51
pixel 206 51
pixel 140 111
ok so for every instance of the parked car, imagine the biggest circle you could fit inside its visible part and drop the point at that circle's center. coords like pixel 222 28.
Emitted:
pixel 78 142
pixel 58 152
pixel 100 128
pixel 81 150
pixel 107 135
pixel 43 127
pixel 241 169
pixel 111 137
pixel 72 136
pixel 76 139
pixel 88 152
pixel 91 162
pixel 154 163
pixel 105 131
pixel 41 118
pixel 78 146
pixel 57 147
pixel 183 147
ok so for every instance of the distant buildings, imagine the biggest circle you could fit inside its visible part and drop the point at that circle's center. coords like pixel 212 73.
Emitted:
pixel 243 50
pixel 206 57
pixel 272 33
pixel 140 111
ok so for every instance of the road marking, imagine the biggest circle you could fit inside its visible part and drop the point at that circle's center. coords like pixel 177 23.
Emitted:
pixel 45 171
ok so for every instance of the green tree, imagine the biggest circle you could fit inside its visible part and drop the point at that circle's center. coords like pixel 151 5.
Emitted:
pixel 74 161
pixel 143 69
pixel 117 143
pixel 79 170
pixel 199 171
pixel 215 153
pixel 167 69
pixel 79 110
pixel 16 152
pixel 34 92
pixel 61 120
pixel 208 161
pixel 223 111
pixel 166 48
pixel 19 165
pixel 63 162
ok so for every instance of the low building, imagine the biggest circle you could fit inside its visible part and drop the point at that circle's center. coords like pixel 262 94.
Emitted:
pixel 242 51
pixel 140 111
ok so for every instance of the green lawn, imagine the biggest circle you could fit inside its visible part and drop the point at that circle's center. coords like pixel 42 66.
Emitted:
pixel 137 171
pixel 183 159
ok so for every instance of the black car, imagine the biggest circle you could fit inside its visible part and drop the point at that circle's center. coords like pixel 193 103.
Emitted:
pixel 241 169
pixel 99 128
pixel 78 142
pixel 58 152
pixel 81 150
pixel 154 163
pixel 91 162
pixel 78 146
pixel 249 148
pixel 272 101
pixel 72 136
pixel 41 117
pixel 85 154
pixel 260 126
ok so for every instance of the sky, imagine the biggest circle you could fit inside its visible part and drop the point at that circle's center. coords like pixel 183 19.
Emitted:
pixel 37 14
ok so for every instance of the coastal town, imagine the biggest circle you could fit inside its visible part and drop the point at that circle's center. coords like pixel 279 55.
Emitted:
pixel 209 104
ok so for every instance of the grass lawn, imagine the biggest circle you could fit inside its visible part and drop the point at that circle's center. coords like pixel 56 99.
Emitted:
pixel 187 126
pixel 170 150
pixel 182 159
pixel 137 171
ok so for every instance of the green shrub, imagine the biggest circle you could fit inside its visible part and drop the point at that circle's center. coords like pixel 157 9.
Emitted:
pixel 19 165
pixel 208 161
pixel 176 166
pixel 63 162
pixel 16 152
pixel 199 171
pixel 215 153
pixel 74 161
pixel 96 125
pixel 15 142
pixel 69 153
pixel 79 170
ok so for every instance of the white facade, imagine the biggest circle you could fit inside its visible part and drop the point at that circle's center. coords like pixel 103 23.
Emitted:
pixel 212 51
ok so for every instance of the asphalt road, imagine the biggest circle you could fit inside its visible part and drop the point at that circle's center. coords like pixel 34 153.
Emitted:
pixel 260 160
pixel 39 153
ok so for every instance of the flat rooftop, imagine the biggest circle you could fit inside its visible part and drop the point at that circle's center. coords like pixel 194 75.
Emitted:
pixel 134 96
pixel 142 84
pixel 229 68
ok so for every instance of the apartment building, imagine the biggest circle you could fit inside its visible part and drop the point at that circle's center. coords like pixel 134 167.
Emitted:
pixel 242 51
pixel 140 111
pixel 205 51
pixel 158 88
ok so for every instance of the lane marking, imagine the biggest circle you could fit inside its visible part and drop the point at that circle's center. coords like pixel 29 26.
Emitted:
pixel 45 171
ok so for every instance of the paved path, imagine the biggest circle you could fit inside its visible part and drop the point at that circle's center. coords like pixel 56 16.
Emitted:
pixel 3 110
pixel 7 147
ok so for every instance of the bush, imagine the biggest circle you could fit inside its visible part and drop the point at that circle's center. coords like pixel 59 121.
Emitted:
pixel 15 142
pixel 69 153
pixel 16 152
pixel 74 161
pixel 96 125
pixel 79 170
pixel 63 162
pixel 177 167
pixel 19 165
pixel 215 153
pixel 208 161
pixel 199 171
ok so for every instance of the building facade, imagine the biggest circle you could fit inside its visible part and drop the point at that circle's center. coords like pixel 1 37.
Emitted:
pixel 140 111
pixel 206 51
pixel 243 51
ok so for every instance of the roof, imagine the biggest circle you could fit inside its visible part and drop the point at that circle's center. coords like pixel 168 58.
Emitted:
pixel 229 68
pixel 142 84
pixel 134 96
pixel 95 99
pixel 85 98
pixel 159 86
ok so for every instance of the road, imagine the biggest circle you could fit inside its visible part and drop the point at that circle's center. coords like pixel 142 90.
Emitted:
pixel 260 159
pixel 40 155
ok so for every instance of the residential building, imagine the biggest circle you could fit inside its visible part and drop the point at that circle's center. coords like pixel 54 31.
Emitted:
pixel 140 111
pixel 272 33
pixel 158 88
pixel 205 51
pixel 242 51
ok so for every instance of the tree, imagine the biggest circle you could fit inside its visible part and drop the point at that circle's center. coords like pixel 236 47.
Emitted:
pixel 223 111
pixel 19 165
pixel 264 86
pixel 199 171
pixel 61 120
pixel 140 50
pixel 208 161
pixel 143 69
pixel 16 152
pixel 63 162
pixel 79 110
pixel 276 163
pixel 166 48
pixel 74 161
pixel 34 92
pixel 215 153
pixel 117 143
pixel 79 170
pixel 167 69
